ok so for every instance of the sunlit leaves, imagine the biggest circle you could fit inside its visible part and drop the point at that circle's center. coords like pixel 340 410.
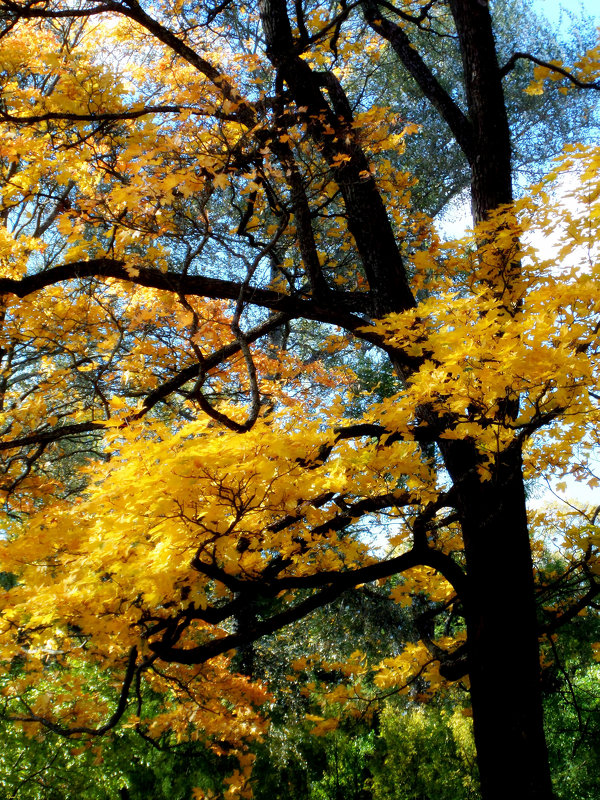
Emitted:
pixel 183 475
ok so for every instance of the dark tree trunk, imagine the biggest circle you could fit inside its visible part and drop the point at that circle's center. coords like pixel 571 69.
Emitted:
pixel 502 638
pixel 500 610
pixel 490 157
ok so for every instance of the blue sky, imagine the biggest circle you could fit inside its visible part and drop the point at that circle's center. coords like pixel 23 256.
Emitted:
pixel 551 8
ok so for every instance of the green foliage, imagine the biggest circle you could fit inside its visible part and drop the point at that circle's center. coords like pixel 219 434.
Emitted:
pixel 429 752
pixel 572 710
pixel 119 767
pixel 408 752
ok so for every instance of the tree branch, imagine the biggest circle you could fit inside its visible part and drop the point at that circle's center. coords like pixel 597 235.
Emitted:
pixel 52 435
pixel 511 63
pixel 335 584
pixel 426 80
pixel 96 117
pixel 331 309
pixel 61 730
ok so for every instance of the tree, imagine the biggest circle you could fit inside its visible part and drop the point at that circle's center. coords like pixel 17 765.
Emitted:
pixel 199 202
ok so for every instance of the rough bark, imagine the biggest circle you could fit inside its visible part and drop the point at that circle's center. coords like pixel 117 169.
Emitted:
pixel 330 125
pixel 490 158
pixel 499 600
pixel 502 632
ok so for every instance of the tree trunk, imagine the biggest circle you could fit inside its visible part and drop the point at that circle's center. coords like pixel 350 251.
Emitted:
pixel 502 636
pixel 500 606
pixel 490 156
pixel 500 612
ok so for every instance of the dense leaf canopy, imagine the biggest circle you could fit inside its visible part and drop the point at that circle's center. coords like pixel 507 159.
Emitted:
pixel 243 373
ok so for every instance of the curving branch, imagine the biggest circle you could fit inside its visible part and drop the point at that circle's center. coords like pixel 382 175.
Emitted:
pixel 130 672
pixel 209 362
pixel 242 341
pixel 133 10
pixel 412 61
pixel 511 63
pixel 46 437
pixel 335 584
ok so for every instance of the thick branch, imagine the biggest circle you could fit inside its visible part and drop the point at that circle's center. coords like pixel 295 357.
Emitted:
pixel 52 435
pixel 95 117
pixel 562 619
pixel 332 309
pixel 335 584
pixel 426 80
pixel 333 134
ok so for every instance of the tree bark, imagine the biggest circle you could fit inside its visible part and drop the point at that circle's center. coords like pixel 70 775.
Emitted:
pixel 500 609
pixel 502 633
pixel 490 159
pixel 502 637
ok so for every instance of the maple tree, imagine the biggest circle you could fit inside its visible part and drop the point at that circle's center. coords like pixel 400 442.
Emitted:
pixel 202 205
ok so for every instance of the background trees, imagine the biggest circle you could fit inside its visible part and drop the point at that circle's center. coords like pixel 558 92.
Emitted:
pixel 202 205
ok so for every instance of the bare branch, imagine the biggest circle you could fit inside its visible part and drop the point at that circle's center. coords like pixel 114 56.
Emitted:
pixel 511 63
pixel 61 730
pixel 96 117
